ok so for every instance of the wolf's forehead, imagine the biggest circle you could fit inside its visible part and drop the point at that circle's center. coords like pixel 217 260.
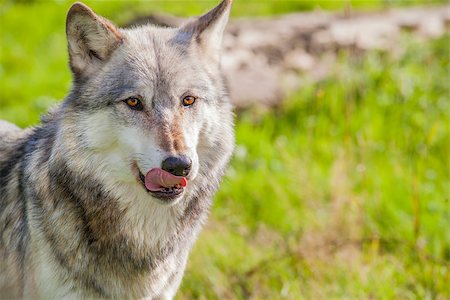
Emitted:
pixel 152 61
pixel 154 51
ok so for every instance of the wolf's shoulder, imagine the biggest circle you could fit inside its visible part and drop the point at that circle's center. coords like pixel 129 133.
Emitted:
pixel 10 135
pixel 7 127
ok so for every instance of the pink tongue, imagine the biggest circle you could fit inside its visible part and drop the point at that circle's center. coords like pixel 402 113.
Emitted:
pixel 158 179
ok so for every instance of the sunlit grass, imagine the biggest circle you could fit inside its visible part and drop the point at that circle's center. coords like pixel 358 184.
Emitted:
pixel 342 192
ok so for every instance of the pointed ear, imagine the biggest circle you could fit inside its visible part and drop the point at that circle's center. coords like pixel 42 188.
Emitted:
pixel 91 39
pixel 207 31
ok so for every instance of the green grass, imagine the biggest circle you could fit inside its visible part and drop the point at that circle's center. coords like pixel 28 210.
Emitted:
pixel 342 192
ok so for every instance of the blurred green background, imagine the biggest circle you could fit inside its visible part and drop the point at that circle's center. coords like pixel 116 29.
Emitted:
pixel 341 192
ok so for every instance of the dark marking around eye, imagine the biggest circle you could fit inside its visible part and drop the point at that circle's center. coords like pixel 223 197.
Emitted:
pixel 134 103
pixel 189 100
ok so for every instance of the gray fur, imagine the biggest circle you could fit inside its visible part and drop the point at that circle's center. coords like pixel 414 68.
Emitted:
pixel 67 230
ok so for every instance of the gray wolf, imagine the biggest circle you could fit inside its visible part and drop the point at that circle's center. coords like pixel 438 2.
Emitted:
pixel 106 197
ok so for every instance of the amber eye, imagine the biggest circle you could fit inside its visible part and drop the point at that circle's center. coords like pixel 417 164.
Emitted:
pixel 134 103
pixel 188 100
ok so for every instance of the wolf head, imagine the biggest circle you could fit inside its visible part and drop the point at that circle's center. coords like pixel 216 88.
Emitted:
pixel 148 109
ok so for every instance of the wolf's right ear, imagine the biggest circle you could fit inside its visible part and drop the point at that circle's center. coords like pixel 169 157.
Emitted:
pixel 91 39
pixel 206 32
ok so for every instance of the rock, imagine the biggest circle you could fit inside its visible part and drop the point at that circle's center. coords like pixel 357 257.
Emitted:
pixel 299 60
pixel 251 80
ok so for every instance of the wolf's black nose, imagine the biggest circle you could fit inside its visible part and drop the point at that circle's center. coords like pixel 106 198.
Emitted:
pixel 177 165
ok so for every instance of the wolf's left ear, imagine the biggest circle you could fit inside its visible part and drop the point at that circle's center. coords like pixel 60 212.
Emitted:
pixel 91 39
pixel 207 31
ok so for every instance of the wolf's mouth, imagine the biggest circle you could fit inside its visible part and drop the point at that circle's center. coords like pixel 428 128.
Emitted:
pixel 166 193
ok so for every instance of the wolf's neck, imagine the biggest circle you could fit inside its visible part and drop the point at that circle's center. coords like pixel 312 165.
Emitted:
pixel 85 224
pixel 106 214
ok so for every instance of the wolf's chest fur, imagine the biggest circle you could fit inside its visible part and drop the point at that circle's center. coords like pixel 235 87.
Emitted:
pixel 77 218
pixel 104 248
pixel 76 235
